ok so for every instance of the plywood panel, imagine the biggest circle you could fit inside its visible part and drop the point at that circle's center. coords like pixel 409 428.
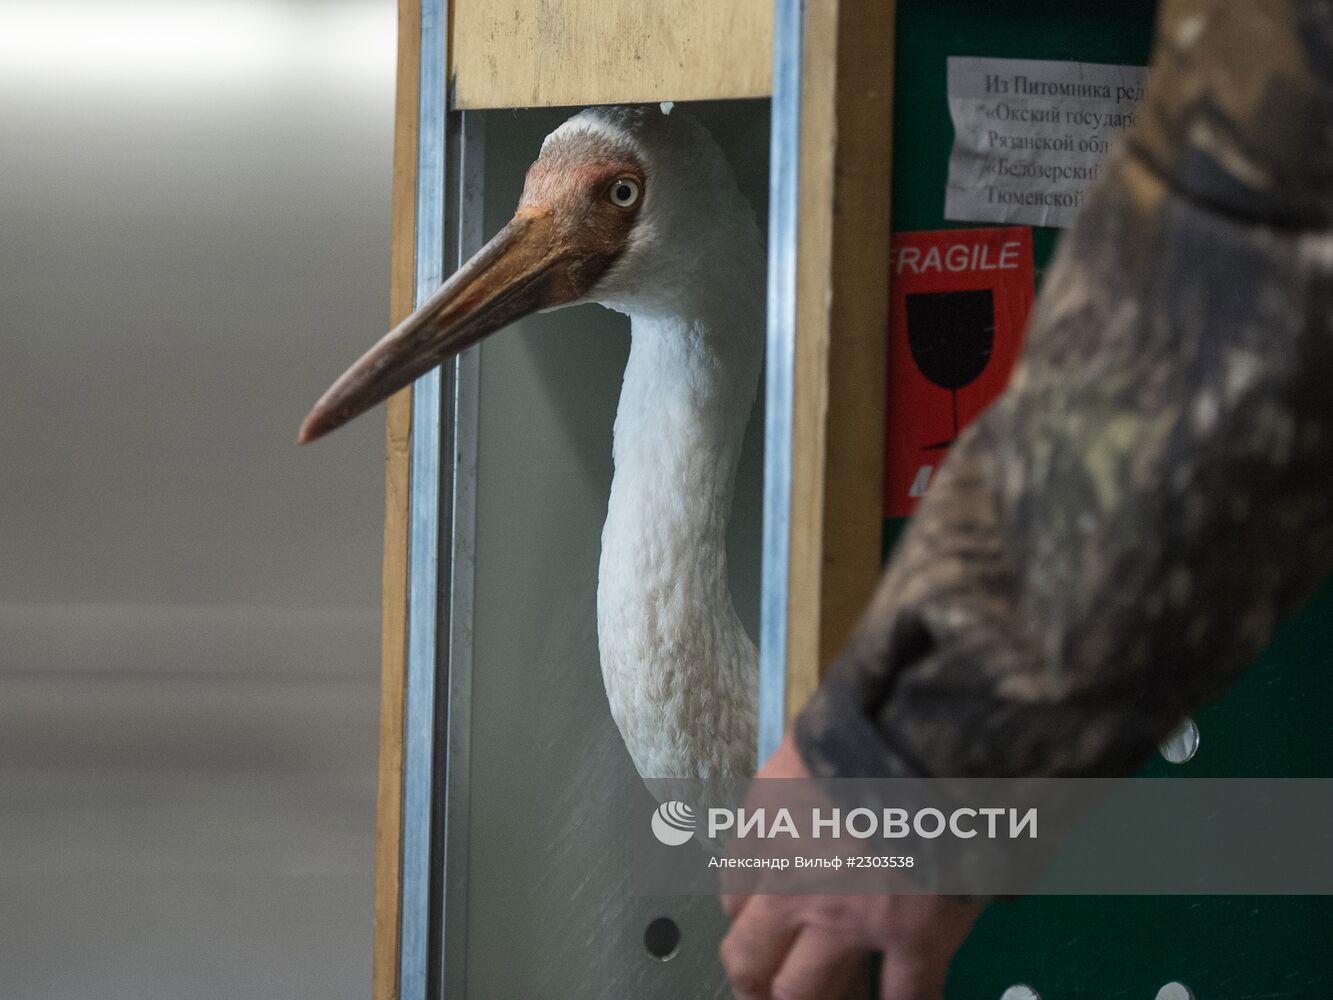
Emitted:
pixel 531 53
pixel 397 469
pixel 841 332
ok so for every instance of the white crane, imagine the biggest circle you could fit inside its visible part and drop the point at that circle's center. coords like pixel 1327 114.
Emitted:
pixel 636 209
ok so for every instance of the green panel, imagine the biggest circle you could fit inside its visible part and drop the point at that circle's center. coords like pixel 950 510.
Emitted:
pixel 929 31
pixel 1274 722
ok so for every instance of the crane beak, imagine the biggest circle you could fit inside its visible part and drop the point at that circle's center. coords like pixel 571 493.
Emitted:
pixel 520 271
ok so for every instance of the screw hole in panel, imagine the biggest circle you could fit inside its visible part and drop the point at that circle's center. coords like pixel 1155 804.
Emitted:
pixel 1175 991
pixel 662 939
pixel 1182 744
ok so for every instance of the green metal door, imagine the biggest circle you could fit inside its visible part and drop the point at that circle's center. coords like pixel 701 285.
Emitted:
pixel 1274 723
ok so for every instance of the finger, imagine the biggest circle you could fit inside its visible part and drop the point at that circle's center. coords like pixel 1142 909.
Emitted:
pixel 753 950
pixel 820 964
pixel 912 979
pixel 734 903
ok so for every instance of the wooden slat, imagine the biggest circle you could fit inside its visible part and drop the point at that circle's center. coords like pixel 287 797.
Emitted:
pixel 393 657
pixel 858 321
pixel 530 53
pixel 810 377
pixel 841 331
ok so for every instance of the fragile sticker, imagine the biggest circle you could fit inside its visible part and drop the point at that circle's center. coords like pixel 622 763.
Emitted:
pixel 958 305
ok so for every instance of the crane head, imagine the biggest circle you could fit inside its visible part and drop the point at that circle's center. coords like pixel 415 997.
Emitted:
pixel 592 225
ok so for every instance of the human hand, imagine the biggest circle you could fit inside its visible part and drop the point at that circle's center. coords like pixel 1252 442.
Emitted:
pixel 789 947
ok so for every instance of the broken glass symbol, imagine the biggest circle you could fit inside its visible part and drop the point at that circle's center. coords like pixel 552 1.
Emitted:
pixel 951 335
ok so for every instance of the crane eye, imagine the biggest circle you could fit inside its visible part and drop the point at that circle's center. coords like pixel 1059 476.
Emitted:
pixel 623 192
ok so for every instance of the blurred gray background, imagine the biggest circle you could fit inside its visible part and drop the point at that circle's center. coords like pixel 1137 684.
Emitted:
pixel 194 231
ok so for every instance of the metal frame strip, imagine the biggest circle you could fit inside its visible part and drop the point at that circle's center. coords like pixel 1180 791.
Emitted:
pixel 783 213
pixel 428 553
pixel 436 725
pixel 457 763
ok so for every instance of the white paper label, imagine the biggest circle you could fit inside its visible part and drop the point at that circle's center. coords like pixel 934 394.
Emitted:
pixel 1030 136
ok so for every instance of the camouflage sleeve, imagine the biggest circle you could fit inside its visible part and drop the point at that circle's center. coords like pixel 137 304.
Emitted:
pixel 1114 540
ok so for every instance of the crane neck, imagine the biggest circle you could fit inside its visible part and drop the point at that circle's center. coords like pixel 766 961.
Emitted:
pixel 681 674
pixel 689 386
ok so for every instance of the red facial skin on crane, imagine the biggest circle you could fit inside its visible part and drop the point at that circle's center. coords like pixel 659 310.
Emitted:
pixel 565 235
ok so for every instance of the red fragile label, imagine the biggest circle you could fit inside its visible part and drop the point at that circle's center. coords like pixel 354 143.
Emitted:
pixel 959 301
